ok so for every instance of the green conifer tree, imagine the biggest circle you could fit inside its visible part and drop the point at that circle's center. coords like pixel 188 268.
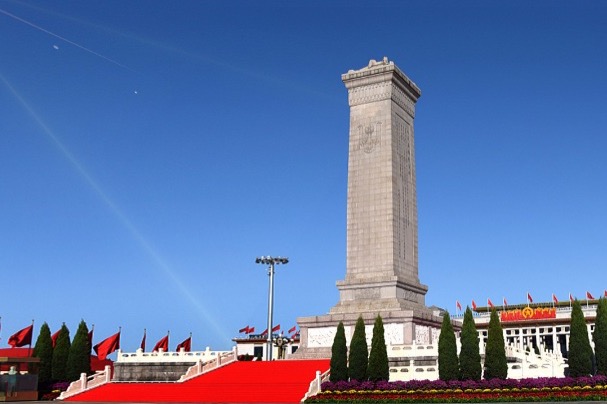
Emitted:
pixel 44 350
pixel 600 337
pixel 378 367
pixel 469 355
pixel 580 351
pixel 60 354
pixel 79 358
pixel 496 365
pixel 339 356
pixel 358 360
pixel 448 366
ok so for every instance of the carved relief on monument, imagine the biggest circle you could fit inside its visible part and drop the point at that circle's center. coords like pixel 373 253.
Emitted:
pixel 367 293
pixel 422 334
pixel 393 334
pixel 408 295
pixel 403 101
pixel 369 136
pixel 321 337
pixel 435 334
pixel 370 93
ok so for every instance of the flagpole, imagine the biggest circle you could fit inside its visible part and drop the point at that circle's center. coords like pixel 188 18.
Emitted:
pixel 29 349
pixel 570 299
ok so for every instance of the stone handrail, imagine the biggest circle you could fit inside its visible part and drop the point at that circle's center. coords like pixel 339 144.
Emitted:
pixel 87 383
pixel 199 367
pixel 413 350
pixel 315 384
pixel 102 377
pixel 161 356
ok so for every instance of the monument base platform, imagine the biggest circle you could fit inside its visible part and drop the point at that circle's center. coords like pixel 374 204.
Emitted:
pixel 402 327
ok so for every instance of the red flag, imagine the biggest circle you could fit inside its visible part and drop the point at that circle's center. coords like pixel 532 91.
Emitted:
pixel 294 335
pixel 21 337
pixel 292 329
pixel 107 346
pixel 251 330
pixel 529 298
pixel 186 345
pixel 142 346
pixel 554 299
pixel 55 336
pixel 589 296
pixel 473 305
pixel 605 294
pixel 505 302
pixel 163 343
pixel 458 305
pixel 245 330
pixel 570 297
pixel 276 328
pixel 264 332
pixel 489 303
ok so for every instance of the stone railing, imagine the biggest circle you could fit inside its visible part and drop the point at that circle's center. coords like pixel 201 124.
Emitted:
pixel 200 367
pixel 87 383
pixel 204 361
pixel 315 385
pixel 413 372
pixel 154 357
pixel 412 351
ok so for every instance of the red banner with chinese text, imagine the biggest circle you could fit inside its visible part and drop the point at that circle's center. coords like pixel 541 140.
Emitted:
pixel 528 313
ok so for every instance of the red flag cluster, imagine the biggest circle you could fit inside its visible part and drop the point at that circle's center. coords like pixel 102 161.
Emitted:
pixel 274 329
pixel 22 337
pixel 107 346
pixel 186 345
pixel 163 344
pixel 247 330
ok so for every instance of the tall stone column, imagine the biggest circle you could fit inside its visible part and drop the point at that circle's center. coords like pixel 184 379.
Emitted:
pixel 381 264
pixel 381 260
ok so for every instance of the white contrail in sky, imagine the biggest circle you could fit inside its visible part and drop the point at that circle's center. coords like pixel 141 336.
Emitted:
pixel 183 287
pixel 64 39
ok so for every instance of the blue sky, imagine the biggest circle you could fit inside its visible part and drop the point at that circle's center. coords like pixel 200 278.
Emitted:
pixel 150 150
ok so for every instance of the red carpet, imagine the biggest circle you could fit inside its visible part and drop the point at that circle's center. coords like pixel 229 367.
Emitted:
pixel 284 381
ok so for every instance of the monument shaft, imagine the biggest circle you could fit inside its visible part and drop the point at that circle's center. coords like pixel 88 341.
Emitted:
pixel 381 265
pixel 381 262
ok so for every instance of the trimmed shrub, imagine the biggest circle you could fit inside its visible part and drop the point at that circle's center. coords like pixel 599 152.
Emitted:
pixel 580 352
pixel 60 354
pixel 469 355
pixel 600 337
pixel 496 365
pixel 339 356
pixel 79 358
pixel 358 360
pixel 44 350
pixel 378 368
pixel 448 366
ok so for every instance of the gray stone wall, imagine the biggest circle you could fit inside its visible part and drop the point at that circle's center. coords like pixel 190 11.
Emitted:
pixel 157 372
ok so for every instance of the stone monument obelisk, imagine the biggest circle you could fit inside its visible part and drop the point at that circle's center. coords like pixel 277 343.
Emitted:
pixel 381 264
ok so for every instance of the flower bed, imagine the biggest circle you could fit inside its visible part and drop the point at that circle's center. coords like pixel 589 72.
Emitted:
pixel 438 391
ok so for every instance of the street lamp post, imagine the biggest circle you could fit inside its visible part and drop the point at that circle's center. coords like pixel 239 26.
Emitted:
pixel 270 261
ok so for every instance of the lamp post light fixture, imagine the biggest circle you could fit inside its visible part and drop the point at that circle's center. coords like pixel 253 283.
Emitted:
pixel 271 262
